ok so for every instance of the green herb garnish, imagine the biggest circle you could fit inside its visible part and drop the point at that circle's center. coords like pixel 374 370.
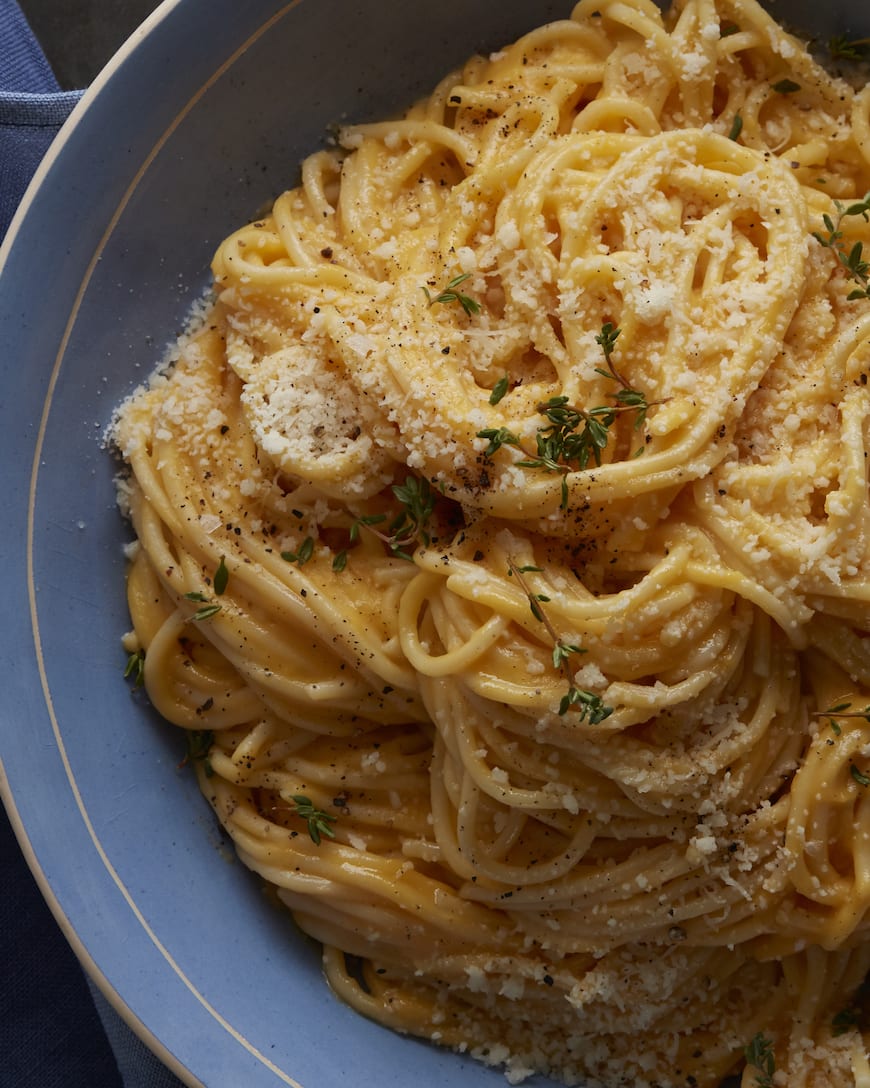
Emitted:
pixel 318 821
pixel 842 710
pixel 206 612
pixel 786 86
pixel 410 526
pixel 199 746
pixel 209 608
pixel 841 47
pixel 574 436
pixel 221 578
pixel 607 339
pixel 300 557
pixel 135 668
pixel 859 776
pixel 736 127
pixel 759 1054
pixel 588 704
pixel 851 258
pixel 450 294
pixel 845 1020
pixel 499 390
pixel 498 437
pixel 563 650
pixel 854 1015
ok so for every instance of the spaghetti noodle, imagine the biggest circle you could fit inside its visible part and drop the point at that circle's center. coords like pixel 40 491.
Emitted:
pixel 504 545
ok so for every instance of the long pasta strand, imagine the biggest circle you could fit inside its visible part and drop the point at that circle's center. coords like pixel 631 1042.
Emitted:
pixel 563 758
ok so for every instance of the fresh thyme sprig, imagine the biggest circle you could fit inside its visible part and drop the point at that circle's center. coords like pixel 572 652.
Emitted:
pixel 317 820
pixel 854 1015
pixel 409 527
pixel 845 1020
pixel 135 668
pixel 759 1054
pixel 841 47
pixel 859 776
pixel 626 396
pixel 209 607
pixel 850 257
pixel 451 294
pixel 606 339
pixel 842 710
pixel 574 436
pixel 588 704
pixel 302 554
pixel 199 746
pixel 339 561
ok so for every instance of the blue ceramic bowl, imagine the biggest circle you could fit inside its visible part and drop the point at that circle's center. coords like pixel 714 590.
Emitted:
pixel 198 121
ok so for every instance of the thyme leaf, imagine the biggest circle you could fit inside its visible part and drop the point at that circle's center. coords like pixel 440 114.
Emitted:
pixel 786 86
pixel 587 703
pixel 499 389
pixel 859 776
pixel 451 294
pixel 199 746
pixel 367 519
pixel 317 820
pixel 850 257
pixel 410 526
pixel 572 436
pixel 221 578
pixel 759 1054
pixel 209 607
pixel 845 1020
pixel 135 668
pixel 841 47
pixel 842 710
pixel 497 437
pixel 853 1016
pixel 207 611
pixel 607 339
pixel 300 557
pixel 563 650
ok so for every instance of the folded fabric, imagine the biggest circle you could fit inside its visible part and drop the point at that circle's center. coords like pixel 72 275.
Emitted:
pixel 32 108
pixel 53 1032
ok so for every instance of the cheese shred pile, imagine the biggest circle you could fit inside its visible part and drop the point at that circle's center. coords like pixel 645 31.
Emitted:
pixel 503 546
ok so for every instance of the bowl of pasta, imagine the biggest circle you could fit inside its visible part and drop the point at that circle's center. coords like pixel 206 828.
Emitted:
pixel 455 654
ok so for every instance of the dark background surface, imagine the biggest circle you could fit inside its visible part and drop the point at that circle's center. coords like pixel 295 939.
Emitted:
pixel 79 36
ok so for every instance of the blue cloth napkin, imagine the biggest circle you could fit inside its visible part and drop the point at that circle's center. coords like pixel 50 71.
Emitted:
pixel 32 107
pixel 56 1030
